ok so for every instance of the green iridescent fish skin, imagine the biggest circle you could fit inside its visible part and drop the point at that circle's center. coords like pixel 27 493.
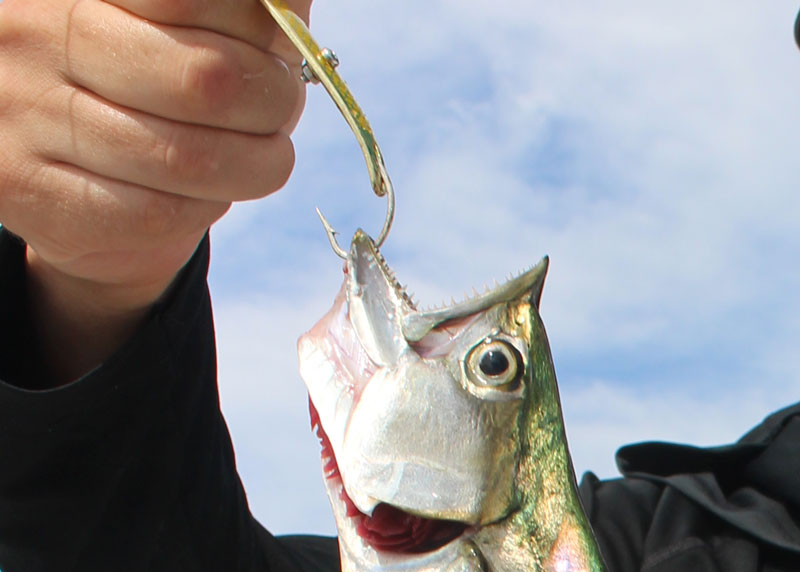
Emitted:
pixel 549 531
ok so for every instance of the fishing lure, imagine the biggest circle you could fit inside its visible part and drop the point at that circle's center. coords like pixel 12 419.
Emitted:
pixel 443 442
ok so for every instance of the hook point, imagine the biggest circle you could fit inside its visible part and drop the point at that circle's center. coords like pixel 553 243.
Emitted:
pixel 329 230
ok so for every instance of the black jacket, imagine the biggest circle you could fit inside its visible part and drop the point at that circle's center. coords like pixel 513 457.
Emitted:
pixel 721 509
pixel 131 468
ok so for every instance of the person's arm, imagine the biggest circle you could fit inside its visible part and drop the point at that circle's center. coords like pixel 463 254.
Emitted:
pixel 131 467
pixel 128 128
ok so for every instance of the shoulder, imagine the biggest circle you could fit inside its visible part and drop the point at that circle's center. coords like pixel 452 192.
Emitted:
pixel 734 508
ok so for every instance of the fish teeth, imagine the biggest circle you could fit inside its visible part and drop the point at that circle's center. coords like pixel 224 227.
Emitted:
pixel 399 288
pixel 413 302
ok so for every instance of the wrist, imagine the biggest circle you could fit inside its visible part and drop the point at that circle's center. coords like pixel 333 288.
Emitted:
pixel 79 322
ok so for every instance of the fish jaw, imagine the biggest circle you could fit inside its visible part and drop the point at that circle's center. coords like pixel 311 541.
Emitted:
pixel 376 302
pixel 335 367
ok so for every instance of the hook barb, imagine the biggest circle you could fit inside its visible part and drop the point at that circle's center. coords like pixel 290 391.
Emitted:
pixel 329 230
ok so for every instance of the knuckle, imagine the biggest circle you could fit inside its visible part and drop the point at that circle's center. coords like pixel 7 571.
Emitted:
pixel 189 157
pixel 209 79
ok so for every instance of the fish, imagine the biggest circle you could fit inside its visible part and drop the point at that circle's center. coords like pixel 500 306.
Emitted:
pixel 442 435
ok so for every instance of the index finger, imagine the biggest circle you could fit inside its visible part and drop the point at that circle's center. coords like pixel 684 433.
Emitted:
pixel 246 20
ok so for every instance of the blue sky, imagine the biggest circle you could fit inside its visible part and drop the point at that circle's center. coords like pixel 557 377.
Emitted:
pixel 650 150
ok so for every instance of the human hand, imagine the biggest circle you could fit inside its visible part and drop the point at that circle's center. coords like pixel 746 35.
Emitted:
pixel 129 127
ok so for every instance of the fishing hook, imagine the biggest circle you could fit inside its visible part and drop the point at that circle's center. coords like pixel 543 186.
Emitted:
pixel 320 67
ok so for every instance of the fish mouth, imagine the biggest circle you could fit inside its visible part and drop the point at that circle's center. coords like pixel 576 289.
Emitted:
pixel 389 529
pixel 367 269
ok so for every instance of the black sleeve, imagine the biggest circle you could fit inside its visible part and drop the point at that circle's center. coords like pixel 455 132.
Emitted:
pixel 620 512
pixel 130 468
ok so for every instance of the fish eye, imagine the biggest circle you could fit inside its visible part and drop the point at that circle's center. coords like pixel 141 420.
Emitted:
pixel 496 364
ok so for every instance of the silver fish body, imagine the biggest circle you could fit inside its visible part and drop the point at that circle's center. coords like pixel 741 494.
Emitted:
pixel 443 442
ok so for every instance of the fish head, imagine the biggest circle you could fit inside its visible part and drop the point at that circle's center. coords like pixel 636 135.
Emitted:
pixel 422 414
